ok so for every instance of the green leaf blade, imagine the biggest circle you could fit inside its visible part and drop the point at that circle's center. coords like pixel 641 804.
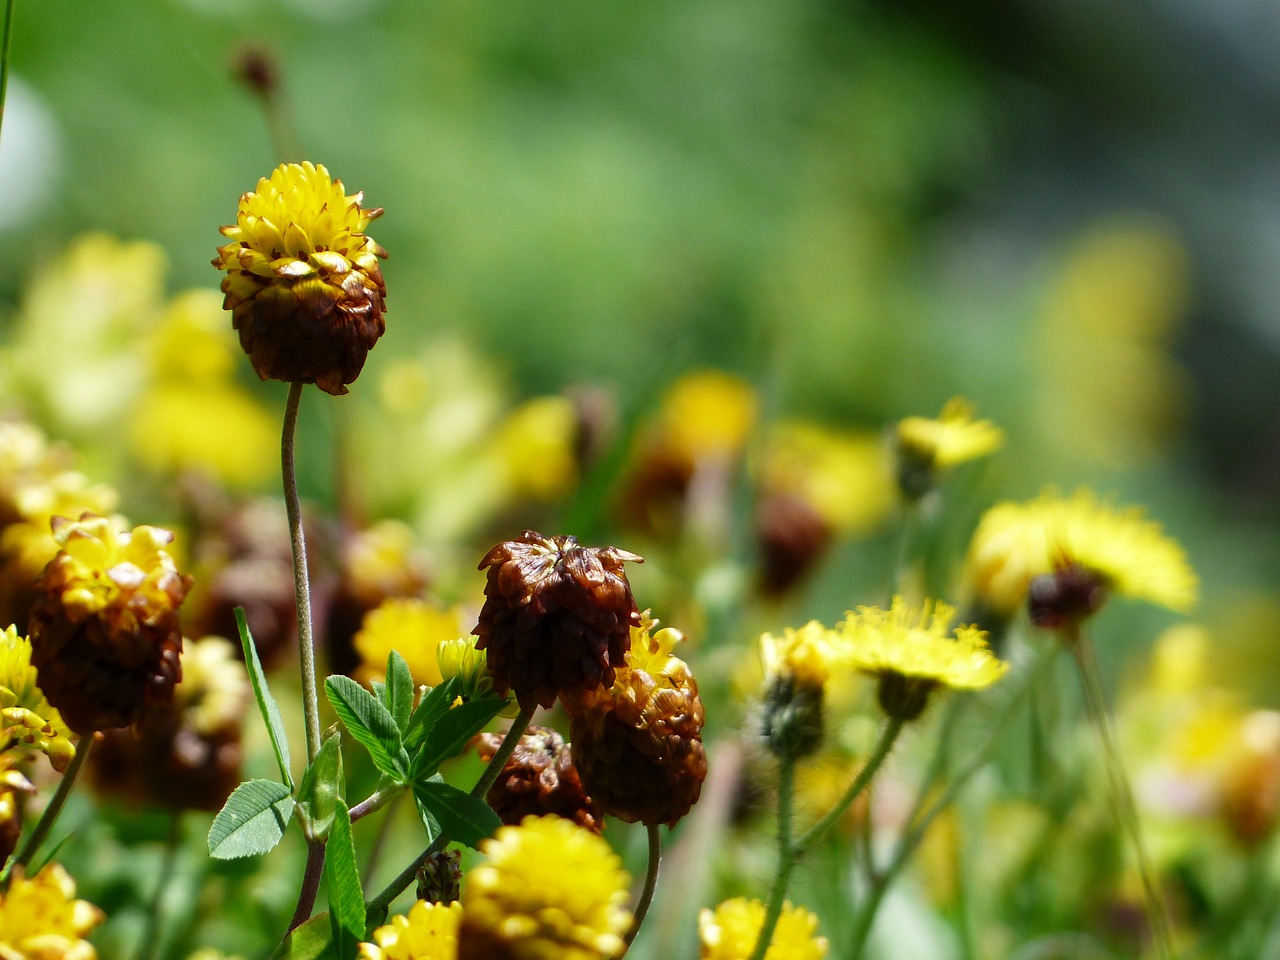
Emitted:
pixel 266 703
pixel 321 789
pixel 371 723
pixel 311 941
pixel 252 821
pixel 453 731
pixel 399 691
pixel 461 816
pixel 434 705
pixel 342 880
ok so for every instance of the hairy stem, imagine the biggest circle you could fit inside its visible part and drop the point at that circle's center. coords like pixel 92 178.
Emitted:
pixel 311 877
pixel 301 580
pixel 786 857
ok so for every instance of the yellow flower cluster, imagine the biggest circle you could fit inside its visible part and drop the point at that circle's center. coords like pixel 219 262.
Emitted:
pixel 428 932
pixel 25 714
pixel 40 919
pixel 730 932
pixel 415 628
pixel 101 566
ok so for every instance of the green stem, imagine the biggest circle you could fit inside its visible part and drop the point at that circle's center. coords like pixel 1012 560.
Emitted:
pixel 379 904
pixel 301 582
pixel 50 814
pixel 786 857
pixel 1099 716
pixel 4 55
pixel 888 737
pixel 650 885
pixel 155 913
pixel 376 801
pixel 312 874
pixel 902 558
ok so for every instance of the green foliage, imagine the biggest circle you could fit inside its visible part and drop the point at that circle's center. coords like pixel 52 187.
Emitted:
pixel 451 732
pixel 311 941
pixel 398 691
pixel 461 816
pixel 371 723
pixel 342 879
pixel 320 793
pixel 434 705
pixel 266 703
pixel 252 821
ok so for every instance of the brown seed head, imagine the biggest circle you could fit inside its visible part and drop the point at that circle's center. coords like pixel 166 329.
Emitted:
pixel 557 616
pixel 539 778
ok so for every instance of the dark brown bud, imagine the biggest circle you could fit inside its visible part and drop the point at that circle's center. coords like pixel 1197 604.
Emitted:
pixel 440 877
pixel 255 66
pixel 1064 599
pixel 539 778
pixel 794 537
pixel 557 616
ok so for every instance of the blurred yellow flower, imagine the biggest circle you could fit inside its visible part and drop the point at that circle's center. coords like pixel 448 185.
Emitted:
pixel 805 656
pixel 548 890
pixel 29 544
pixel 534 448
pixel 731 930
pixel 429 931
pixel 953 438
pixel 415 629
pixel 706 414
pixel 40 919
pixel 25 715
pixel 214 693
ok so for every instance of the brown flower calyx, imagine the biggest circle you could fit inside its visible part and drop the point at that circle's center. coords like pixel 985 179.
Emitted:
pixel 557 616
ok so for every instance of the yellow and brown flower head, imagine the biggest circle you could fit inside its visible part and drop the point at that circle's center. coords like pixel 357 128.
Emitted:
pixel 730 932
pixel 186 756
pixel 429 931
pixel 303 280
pixel 797 665
pixel 539 778
pixel 105 638
pixel 928 447
pixel 549 890
pixel 557 616
pixel 638 742
pixel 40 919
pixel 914 651
pixel 25 715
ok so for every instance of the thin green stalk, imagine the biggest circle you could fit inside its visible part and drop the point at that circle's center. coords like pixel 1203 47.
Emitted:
pixel 155 912
pixel 301 581
pixel 789 851
pixel 1127 809
pixel 902 558
pixel 379 904
pixel 650 885
pixel 377 800
pixel 380 839
pixel 50 814
pixel 4 55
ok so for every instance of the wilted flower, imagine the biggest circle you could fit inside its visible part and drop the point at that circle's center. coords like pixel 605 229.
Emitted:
pixel 439 877
pixel 638 742
pixel 731 930
pixel 40 919
pixel 429 931
pixel 303 280
pixel 538 778
pixel 549 890
pixel 25 715
pixel 913 653
pixel 557 616
pixel 104 633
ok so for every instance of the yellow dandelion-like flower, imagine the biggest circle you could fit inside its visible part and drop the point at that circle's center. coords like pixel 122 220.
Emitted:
pixel 549 890
pixel 415 629
pixel 40 919
pixel 25 714
pixel 730 932
pixel 806 656
pixel 927 446
pixel 797 666
pixel 303 280
pixel 1111 549
pixel 428 932
pixel 915 651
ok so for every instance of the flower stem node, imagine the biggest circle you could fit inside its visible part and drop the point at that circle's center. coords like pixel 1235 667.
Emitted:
pixel 303 284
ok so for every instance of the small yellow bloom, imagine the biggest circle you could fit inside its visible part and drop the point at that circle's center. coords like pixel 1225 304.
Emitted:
pixel 806 656
pixel 40 919
pixel 214 693
pixel 731 930
pixel 549 890
pixel 415 629
pixel 25 714
pixel 534 448
pixel 706 414
pixel 927 446
pixel 303 280
pixel 428 932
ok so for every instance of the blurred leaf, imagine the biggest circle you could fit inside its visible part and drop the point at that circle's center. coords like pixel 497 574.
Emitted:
pixel 321 789
pixel 461 816
pixel 252 821
pixel 342 880
pixel 451 733
pixel 399 689
pixel 311 941
pixel 434 705
pixel 266 703
pixel 429 821
pixel 371 723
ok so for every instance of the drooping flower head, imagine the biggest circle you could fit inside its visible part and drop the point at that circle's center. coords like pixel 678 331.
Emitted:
pixel 638 742
pixel 429 931
pixel 548 890
pixel 538 778
pixel 914 651
pixel 557 616
pixel 797 666
pixel 1083 549
pixel 40 919
pixel 105 638
pixel 303 280
pixel 730 931
pixel 25 715
pixel 927 447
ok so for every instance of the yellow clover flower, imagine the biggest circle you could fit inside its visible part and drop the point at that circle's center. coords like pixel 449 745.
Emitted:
pixel 303 280
pixel 40 919
pixel 25 714
pixel 428 932
pixel 412 627
pixel 927 446
pixel 914 651
pixel 730 932
pixel 549 890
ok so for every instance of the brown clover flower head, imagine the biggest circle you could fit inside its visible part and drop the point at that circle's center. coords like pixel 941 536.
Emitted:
pixel 539 778
pixel 105 639
pixel 303 282
pixel 638 743
pixel 557 616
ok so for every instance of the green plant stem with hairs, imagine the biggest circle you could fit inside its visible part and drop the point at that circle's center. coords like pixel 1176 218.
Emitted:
pixel 790 851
